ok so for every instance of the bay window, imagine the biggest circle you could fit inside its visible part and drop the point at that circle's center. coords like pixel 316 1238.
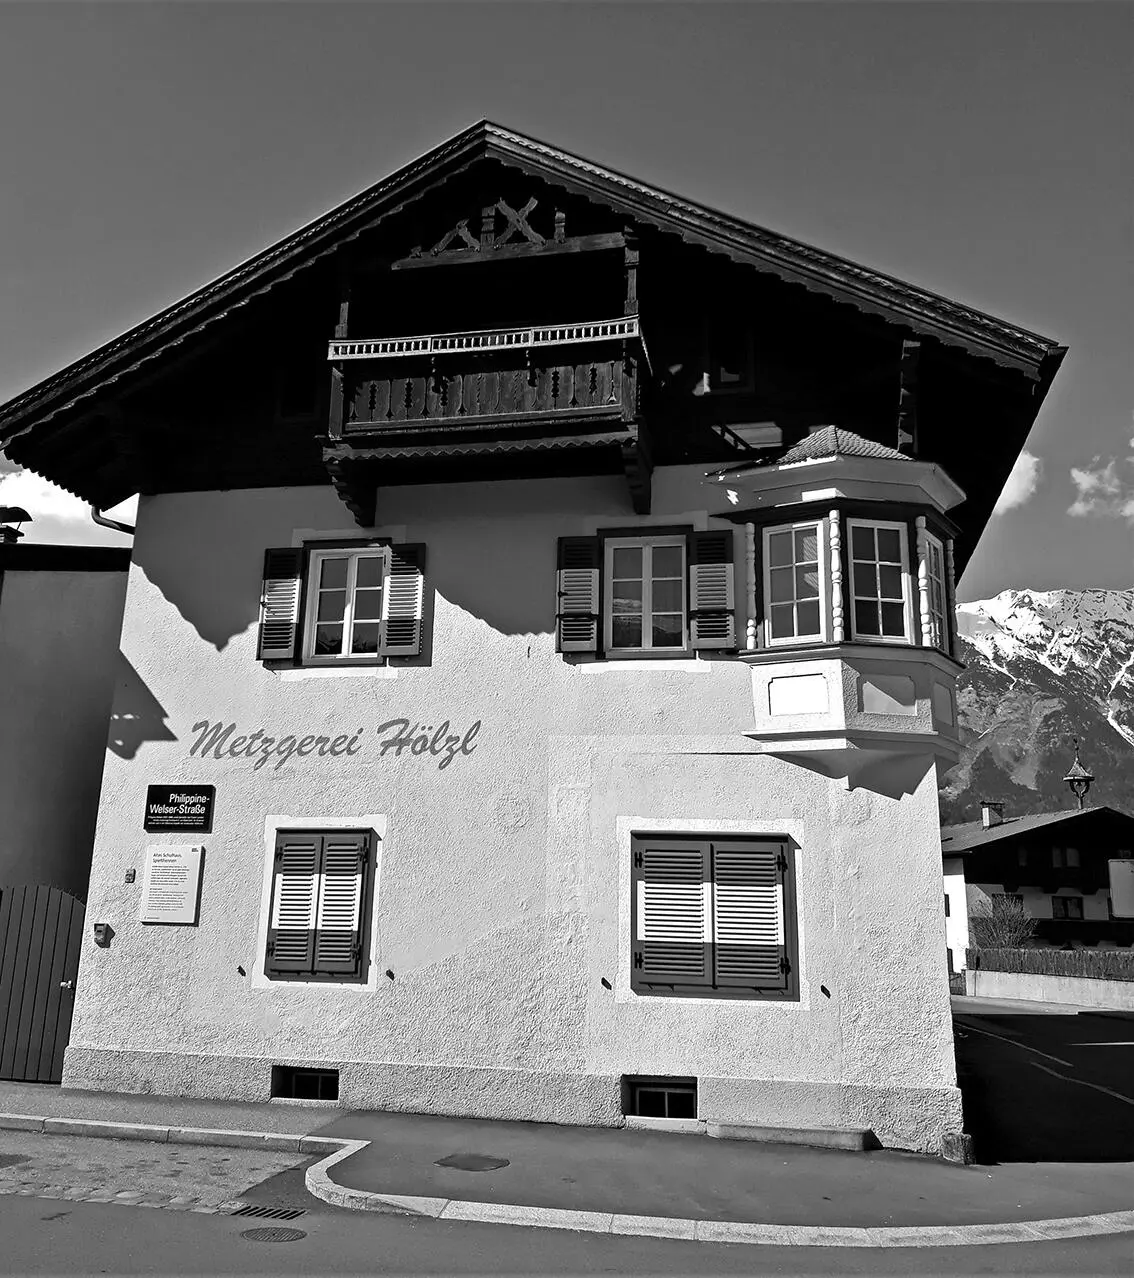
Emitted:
pixel 880 581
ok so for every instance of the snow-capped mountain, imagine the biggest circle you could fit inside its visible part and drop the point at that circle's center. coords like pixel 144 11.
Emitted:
pixel 1044 667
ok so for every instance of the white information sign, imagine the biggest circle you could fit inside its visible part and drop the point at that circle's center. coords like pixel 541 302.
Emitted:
pixel 1122 889
pixel 171 884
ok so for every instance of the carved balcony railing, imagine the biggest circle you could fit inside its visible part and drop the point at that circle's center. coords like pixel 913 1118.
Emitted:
pixel 495 377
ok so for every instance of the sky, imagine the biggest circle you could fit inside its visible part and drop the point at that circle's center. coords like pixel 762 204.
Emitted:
pixel 979 150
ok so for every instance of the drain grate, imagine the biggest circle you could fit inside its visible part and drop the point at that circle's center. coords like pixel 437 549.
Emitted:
pixel 271 1213
pixel 272 1233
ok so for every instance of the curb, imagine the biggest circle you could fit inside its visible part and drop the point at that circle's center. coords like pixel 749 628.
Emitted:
pixel 320 1185
pixel 336 1149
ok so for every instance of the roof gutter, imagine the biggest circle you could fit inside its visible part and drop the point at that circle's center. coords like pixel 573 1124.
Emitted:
pixel 103 522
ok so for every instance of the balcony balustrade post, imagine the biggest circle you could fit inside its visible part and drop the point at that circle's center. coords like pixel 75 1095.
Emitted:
pixel 837 619
pixel 923 584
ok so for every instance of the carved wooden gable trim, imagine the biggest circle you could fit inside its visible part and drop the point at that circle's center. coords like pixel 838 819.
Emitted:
pixel 500 226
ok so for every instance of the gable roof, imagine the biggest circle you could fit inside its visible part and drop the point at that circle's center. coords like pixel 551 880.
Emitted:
pixel 971 835
pixel 868 290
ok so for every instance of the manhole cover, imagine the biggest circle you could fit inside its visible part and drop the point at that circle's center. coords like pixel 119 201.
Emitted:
pixel 472 1162
pixel 273 1233
pixel 10 1160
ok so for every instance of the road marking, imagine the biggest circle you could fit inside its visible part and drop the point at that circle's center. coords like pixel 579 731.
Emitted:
pixel 1100 1044
pixel 1015 1042
pixel 1083 1083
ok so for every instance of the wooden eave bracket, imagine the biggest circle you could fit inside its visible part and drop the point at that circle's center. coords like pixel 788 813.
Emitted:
pixel 356 483
pixel 637 463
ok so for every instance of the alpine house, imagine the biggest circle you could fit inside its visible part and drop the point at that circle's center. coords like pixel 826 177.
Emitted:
pixel 553 580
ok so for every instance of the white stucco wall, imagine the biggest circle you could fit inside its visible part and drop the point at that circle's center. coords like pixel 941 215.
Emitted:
pixel 503 898
pixel 58 663
pixel 957 920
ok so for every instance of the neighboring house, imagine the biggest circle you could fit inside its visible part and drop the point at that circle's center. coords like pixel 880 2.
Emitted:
pixel 1055 863
pixel 573 691
pixel 60 618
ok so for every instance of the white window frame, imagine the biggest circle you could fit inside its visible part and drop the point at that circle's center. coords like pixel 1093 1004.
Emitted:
pixel 819 526
pixel 609 546
pixel 315 558
pixel 903 532
pixel 939 621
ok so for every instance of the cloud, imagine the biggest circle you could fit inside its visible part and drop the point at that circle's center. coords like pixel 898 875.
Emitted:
pixel 1021 483
pixel 56 516
pixel 1104 489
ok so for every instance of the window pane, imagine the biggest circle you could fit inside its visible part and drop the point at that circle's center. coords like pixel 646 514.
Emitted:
pixel 779 549
pixel 808 618
pixel 893 619
pixel 865 617
pixel 865 579
pixel 369 570
pixel 667 630
pixel 332 605
pixel 890 545
pixel 626 632
pixel 668 596
pixel 668 561
pixel 365 637
pixel 807 583
pixel 806 546
pixel 329 639
pixel 627 561
pixel 781 584
pixel 783 621
pixel 626 596
pixel 890 581
pixel 333 574
pixel 367 605
pixel 862 543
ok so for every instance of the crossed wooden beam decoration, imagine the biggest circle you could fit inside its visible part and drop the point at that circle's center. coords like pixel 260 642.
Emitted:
pixel 517 225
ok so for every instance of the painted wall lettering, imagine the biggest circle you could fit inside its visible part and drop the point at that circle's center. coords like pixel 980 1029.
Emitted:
pixel 224 741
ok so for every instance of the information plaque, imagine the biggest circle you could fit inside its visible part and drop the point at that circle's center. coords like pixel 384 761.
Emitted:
pixel 171 886
pixel 187 808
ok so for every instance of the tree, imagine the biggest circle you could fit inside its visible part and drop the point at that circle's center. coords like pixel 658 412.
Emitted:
pixel 1000 923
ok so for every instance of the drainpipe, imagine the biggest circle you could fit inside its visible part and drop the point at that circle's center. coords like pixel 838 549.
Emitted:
pixel 103 522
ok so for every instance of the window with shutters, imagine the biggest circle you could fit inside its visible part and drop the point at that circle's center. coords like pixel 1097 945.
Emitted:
pixel 319 916
pixel 327 605
pixel 664 594
pixel 712 917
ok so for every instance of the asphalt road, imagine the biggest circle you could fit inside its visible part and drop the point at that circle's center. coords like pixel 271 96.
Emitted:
pixel 1043 1087
pixel 39 1236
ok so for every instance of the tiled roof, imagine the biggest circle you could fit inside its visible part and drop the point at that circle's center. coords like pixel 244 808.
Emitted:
pixel 970 835
pixel 833 441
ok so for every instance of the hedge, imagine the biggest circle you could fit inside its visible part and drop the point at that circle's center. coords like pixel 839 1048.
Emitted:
pixel 1101 965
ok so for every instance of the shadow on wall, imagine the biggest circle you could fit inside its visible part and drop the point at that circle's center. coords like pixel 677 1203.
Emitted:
pixel 880 772
pixel 215 590
pixel 136 715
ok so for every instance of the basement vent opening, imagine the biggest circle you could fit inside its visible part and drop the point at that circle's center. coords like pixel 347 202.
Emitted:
pixel 297 1082
pixel 271 1213
pixel 663 1097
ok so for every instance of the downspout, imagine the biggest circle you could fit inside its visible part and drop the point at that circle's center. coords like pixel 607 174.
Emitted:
pixel 103 522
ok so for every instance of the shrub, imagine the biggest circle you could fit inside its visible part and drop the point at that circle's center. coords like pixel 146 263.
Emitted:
pixel 1100 965
pixel 1000 924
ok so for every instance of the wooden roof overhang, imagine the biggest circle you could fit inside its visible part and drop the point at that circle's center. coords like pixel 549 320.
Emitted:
pixel 66 429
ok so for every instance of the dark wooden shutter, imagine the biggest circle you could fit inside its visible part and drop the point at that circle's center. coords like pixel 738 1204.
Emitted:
pixel 340 916
pixel 749 923
pixel 279 604
pixel 295 900
pixel 577 587
pixel 672 914
pixel 712 607
pixel 402 608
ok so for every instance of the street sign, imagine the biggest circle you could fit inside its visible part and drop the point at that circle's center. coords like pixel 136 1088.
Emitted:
pixel 187 808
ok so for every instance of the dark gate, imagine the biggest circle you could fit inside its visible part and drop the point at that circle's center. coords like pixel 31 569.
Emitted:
pixel 40 931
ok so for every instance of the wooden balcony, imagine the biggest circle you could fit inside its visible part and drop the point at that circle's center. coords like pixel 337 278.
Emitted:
pixel 559 375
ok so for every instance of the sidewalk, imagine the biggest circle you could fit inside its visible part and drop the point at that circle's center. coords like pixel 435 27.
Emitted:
pixel 628 1181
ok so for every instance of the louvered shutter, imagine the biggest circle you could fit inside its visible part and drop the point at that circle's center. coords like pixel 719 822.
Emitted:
pixel 339 917
pixel 712 607
pixel 672 914
pixel 295 893
pixel 279 604
pixel 577 586
pixel 750 944
pixel 404 600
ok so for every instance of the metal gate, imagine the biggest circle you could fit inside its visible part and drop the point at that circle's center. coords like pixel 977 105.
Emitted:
pixel 40 931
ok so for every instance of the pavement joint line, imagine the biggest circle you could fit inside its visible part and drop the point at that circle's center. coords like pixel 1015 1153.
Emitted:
pixel 1015 1042
pixel 321 1186
pixel 1082 1082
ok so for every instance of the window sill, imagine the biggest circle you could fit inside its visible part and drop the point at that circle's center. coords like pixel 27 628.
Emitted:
pixel 642 1123
pixel 297 673
pixel 644 663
